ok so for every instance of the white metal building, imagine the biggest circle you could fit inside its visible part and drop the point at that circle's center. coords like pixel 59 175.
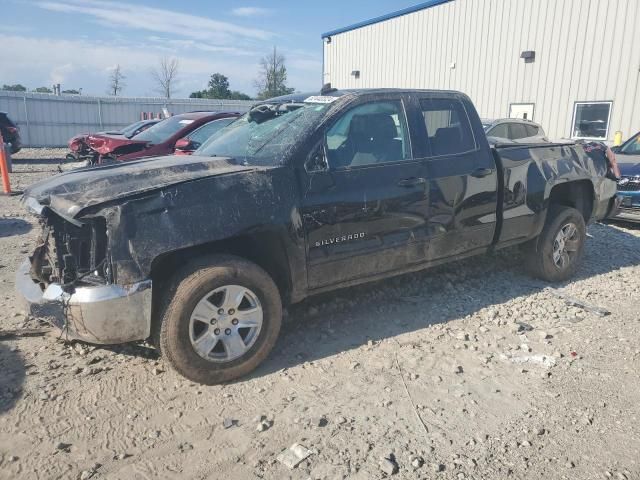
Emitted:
pixel 571 65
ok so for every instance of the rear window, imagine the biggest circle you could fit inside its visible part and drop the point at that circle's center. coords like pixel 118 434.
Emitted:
pixel 518 131
pixel 532 130
pixel 448 127
pixel 501 131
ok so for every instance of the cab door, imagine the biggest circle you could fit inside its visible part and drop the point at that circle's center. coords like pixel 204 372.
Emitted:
pixel 364 213
pixel 462 176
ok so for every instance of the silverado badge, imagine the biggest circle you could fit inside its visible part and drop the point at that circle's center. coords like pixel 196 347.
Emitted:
pixel 343 238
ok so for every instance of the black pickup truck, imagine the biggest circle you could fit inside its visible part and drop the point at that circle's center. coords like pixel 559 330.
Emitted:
pixel 301 195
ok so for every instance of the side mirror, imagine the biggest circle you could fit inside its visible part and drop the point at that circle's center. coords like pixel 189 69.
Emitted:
pixel 615 149
pixel 317 161
pixel 184 144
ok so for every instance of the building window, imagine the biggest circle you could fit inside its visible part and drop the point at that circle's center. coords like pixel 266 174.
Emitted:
pixel 591 120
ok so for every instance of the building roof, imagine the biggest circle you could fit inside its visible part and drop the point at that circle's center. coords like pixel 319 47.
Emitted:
pixel 399 13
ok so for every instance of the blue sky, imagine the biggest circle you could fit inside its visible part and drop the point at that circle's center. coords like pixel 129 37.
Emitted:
pixel 78 42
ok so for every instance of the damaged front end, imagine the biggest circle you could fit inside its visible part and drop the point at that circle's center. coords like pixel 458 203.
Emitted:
pixel 113 147
pixel 68 281
pixel 90 273
pixel 71 253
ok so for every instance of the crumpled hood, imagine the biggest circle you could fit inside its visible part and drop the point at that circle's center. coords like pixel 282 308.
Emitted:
pixel 107 143
pixel 629 164
pixel 71 192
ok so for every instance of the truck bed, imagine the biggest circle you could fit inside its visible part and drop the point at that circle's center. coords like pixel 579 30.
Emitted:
pixel 529 174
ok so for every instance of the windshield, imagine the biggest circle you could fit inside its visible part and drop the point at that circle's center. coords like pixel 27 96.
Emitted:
pixel 251 141
pixel 632 147
pixel 130 129
pixel 163 130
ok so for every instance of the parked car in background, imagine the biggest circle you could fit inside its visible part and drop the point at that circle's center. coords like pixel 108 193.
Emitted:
pixel 628 157
pixel 160 139
pixel 189 144
pixel 302 195
pixel 513 129
pixel 80 149
pixel 10 132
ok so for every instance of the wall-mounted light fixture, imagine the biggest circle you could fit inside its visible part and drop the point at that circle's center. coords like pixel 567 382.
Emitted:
pixel 355 73
pixel 327 39
pixel 529 56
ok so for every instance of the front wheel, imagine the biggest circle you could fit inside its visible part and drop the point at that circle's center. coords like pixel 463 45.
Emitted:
pixel 222 318
pixel 556 254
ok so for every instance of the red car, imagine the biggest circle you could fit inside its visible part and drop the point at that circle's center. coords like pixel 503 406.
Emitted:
pixel 80 149
pixel 162 138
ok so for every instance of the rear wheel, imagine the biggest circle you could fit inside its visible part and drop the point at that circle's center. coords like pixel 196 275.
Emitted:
pixel 221 319
pixel 556 254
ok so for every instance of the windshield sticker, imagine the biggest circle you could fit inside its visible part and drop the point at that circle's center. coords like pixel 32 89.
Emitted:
pixel 320 99
pixel 185 122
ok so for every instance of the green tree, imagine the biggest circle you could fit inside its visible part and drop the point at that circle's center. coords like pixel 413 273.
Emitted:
pixel 43 90
pixel 14 88
pixel 272 76
pixel 219 89
pixel 218 86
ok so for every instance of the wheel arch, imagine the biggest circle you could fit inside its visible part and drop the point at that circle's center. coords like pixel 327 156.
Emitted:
pixel 264 249
pixel 578 194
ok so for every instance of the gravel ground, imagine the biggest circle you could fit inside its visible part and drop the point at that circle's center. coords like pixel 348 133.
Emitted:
pixel 468 371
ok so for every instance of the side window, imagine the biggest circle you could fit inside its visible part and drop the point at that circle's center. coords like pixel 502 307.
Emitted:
pixel 448 127
pixel 369 134
pixel 518 131
pixel 203 133
pixel 532 130
pixel 501 130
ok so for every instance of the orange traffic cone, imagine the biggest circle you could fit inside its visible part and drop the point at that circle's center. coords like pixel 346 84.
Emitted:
pixel 4 169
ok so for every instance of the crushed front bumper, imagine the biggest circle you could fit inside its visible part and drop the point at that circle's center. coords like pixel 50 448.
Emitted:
pixel 104 314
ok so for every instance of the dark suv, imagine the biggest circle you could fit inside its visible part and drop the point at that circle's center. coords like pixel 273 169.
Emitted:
pixel 10 132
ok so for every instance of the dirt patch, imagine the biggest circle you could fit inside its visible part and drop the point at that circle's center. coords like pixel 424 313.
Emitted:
pixel 472 370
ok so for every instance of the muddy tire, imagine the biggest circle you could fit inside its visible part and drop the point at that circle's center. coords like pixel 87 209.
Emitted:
pixel 220 319
pixel 557 252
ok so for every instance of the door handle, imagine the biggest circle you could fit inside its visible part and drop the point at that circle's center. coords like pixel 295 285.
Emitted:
pixel 482 172
pixel 412 182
